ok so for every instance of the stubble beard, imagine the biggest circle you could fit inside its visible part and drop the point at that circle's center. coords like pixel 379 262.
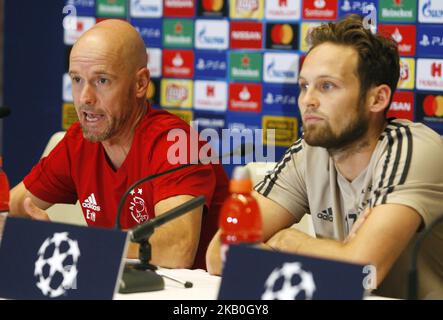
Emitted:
pixel 323 136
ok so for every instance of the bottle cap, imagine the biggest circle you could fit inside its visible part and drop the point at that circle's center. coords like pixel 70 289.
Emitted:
pixel 241 180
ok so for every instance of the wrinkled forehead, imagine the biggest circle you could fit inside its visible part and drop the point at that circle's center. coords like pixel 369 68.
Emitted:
pixel 331 59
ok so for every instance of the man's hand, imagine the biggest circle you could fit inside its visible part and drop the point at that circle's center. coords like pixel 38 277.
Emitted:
pixel 33 211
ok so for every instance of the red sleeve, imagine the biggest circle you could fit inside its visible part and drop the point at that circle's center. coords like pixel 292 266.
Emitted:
pixel 195 180
pixel 50 179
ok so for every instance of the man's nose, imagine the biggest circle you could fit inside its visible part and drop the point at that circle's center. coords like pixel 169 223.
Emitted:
pixel 87 95
pixel 309 98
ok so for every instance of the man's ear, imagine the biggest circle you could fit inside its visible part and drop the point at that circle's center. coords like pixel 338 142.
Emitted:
pixel 142 82
pixel 379 97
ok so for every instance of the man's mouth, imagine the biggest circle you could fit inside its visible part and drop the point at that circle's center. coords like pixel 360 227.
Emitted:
pixel 311 119
pixel 92 117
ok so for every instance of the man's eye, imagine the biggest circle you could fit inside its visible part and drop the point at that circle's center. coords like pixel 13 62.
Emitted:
pixel 103 81
pixel 303 86
pixel 76 79
pixel 327 86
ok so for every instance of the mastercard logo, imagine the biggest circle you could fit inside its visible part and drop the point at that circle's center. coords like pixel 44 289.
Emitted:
pixel 282 34
pixel 212 5
pixel 433 106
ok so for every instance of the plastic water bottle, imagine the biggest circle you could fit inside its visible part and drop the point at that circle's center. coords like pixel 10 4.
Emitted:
pixel 240 218
pixel 4 189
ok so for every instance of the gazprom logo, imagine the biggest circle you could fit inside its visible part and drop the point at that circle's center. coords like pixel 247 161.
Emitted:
pixel 272 71
pixel 211 34
pixel 203 37
pixel 431 11
pixel 280 67
pixel 146 8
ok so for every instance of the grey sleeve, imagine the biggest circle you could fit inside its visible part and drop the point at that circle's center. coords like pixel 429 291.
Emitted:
pixel 411 172
pixel 285 184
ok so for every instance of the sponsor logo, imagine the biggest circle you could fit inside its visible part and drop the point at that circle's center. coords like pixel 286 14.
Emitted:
pixel 320 9
pixel 280 67
pixel 82 25
pixel 149 30
pixel 111 8
pixel 430 74
pixel 154 62
pixel 430 107
pixel 245 66
pixel 212 8
pixel 430 40
pixel 398 10
pixel 306 29
pixel 91 203
pixel 283 9
pixel 326 215
pixel 245 97
pixel 279 131
pixel 179 8
pixel 178 33
pixel 404 35
pixel 210 64
pixel 246 9
pixel 176 93
pixel 430 11
pixel 281 36
pixel 246 35
pixel 211 34
pixel 407 73
pixel 178 63
pixel 67 88
pixel 210 95
pixel 402 105
pixel 346 7
pixel 146 8
pixel 280 98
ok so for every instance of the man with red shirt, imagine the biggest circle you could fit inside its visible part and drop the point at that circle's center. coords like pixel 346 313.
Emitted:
pixel 117 141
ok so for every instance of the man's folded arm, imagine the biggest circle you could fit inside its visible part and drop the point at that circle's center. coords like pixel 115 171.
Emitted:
pixel 379 241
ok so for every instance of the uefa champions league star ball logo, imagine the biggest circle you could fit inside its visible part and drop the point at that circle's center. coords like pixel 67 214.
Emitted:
pixel 290 282
pixel 56 266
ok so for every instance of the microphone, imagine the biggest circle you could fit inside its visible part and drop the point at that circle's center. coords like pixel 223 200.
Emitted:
pixel 4 111
pixel 413 275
